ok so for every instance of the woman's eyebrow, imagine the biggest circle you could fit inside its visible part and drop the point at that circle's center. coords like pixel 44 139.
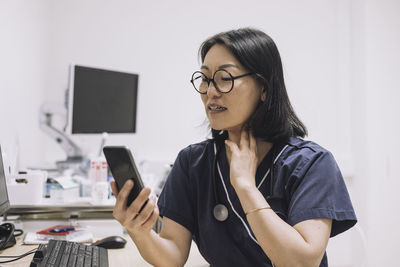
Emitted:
pixel 221 67
pixel 227 66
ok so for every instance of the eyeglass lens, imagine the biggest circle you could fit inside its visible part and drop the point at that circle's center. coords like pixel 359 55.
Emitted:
pixel 223 81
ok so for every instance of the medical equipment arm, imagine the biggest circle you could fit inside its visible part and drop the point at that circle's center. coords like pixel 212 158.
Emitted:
pixel 47 111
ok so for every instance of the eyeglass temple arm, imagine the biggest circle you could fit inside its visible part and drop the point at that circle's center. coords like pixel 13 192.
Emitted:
pixel 243 75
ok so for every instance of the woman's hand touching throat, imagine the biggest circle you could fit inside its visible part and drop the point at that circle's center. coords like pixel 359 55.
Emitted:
pixel 243 159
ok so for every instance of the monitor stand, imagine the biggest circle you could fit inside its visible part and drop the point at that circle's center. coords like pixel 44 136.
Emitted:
pixel 75 158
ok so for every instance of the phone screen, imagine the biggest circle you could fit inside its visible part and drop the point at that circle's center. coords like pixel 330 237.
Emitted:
pixel 123 167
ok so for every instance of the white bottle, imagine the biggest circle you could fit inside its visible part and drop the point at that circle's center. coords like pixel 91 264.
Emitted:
pixel 98 177
pixel 103 171
pixel 93 176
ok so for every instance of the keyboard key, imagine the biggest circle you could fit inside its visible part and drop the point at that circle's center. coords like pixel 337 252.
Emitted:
pixel 88 256
pixel 81 256
pixel 65 256
pixel 95 257
pixel 62 253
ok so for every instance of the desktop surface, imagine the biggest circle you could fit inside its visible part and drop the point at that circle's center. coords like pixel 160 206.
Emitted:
pixel 127 256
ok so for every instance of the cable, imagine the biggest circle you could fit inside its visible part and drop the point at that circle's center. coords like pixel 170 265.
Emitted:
pixel 19 232
pixel 18 257
pixel 32 250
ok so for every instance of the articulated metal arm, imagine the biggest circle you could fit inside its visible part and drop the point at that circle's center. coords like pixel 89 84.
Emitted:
pixel 47 111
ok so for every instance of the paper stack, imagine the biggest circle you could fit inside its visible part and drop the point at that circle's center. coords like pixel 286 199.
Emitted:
pixel 59 232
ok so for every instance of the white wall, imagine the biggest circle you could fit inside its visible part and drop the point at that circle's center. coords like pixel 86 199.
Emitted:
pixel 160 42
pixel 340 60
pixel 374 66
pixel 382 72
pixel 23 55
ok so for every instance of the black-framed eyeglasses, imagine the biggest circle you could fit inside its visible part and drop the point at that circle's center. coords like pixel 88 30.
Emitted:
pixel 223 81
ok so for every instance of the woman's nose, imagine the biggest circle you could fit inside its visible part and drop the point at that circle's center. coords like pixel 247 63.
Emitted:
pixel 212 90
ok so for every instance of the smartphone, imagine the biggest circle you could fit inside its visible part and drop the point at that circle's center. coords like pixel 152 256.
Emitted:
pixel 123 168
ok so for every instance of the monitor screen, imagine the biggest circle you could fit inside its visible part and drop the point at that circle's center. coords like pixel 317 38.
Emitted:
pixel 4 202
pixel 102 101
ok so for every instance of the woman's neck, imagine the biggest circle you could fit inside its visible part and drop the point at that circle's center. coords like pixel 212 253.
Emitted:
pixel 263 147
pixel 234 136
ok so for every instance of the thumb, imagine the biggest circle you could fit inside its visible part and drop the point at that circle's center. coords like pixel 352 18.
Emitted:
pixel 232 146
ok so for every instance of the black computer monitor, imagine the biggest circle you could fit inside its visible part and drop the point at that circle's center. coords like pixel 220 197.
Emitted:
pixel 101 101
pixel 4 201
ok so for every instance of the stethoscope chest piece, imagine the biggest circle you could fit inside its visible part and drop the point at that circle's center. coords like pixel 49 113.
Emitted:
pixel 220 212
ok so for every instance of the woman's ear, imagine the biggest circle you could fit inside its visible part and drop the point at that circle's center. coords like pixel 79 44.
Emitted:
pixel 263 94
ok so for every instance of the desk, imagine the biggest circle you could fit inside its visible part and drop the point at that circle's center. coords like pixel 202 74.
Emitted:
pixel 48 208
pixel 128 256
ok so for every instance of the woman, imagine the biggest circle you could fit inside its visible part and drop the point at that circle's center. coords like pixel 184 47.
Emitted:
pixel 256 194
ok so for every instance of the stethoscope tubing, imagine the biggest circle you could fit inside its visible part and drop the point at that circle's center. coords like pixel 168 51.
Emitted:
pixel 216 167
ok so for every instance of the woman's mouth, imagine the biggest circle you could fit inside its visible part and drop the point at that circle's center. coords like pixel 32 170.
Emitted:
pixel 216 108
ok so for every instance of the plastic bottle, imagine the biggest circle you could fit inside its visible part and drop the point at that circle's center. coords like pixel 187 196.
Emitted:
pixel 92 177
pixel 98 177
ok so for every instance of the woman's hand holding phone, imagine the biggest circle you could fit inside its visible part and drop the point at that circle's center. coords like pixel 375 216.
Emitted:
pixel 138 220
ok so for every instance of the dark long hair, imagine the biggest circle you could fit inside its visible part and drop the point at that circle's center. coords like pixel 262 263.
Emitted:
pixel 274 120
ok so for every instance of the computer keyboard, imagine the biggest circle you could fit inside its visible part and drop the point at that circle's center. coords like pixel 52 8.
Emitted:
pixel 60 253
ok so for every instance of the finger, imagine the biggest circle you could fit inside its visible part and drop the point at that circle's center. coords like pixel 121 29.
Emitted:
pixel 253 143
pixel 244 139
pixel 139 201
pixel 152 219
pixel 232 146
pixel 114 188
pixel 127 187
pixel 147 211
pixel 122 197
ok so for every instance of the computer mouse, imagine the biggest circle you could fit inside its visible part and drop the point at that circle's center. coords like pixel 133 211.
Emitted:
pixel 111 242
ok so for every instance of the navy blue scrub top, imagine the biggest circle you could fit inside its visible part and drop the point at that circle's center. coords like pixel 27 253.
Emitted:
pixel 308 184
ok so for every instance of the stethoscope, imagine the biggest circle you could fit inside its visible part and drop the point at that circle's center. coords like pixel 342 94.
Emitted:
pixel 220 211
